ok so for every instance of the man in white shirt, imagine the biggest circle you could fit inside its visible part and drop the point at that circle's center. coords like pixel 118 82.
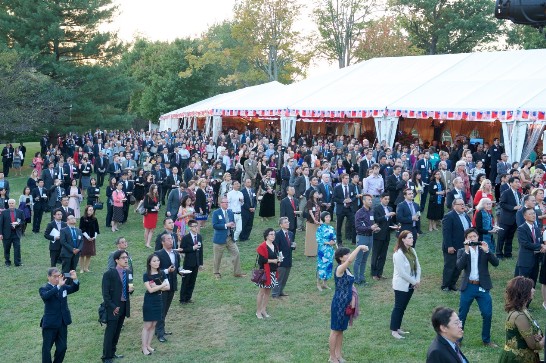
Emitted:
pixel 235 201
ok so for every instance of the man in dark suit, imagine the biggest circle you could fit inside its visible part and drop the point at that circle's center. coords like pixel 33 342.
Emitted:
pixel 56 317
pixel 169 263
pixel 326 190
pixel 115 293
pixel 456 193
pixel 192 247
pixel 424 166
pixel 384 218
pixel 365 165
pixel 453 226
pixel 509 204
pixel 114 169
pixel 39 196
pixel 248 210
pixel 189 172
pixel 101 166
pixel 65 209
pixel 494 154
pixel 11 230
pixel 54 238
pixel 407 215
pixel 71 245
pixel 301 184
pixel 48 175
pixel 286 175
pixel 476 283
pixel 345 200
pixel 289 209
pixel 56 194
pixel 284 240
pixel 392 183
pixel 530 244
pixel 169 228
pixel 173 180
pixel 70 172
pixel 449 331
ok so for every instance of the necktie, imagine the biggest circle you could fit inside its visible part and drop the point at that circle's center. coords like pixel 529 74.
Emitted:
pixel 287 239
pixel 195 240
pixel 250 197
pixel 292 202
pixel 533 233
pixel 74 241
pixel 346 192
pixel 225 216
pixel 369 163
pixel 516 197
pixel 327 192
pixel 459 354
pixel 12 216
pixel 124 284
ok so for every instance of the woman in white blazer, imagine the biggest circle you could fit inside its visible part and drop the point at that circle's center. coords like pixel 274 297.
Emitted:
pixel 406 278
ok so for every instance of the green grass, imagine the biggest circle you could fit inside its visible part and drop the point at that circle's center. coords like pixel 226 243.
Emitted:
pixel 221 325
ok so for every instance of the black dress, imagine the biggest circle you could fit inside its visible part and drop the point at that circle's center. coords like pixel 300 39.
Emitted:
pixel 436 202
pixel 139 189
pixel 153 305
pixel 89 226
pixel 267 206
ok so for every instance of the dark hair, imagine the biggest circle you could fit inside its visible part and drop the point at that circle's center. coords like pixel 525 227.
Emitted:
pixel 267 231
pixel 184 200
pixel 440 317
pixel 166 219
pixel 92 217
pixel 118 254
pixel 148 267
pixel 470 230
pixel 340 252
pixel 414 176
pixel 518 293
pixel 191 221
pixel 384 194
pixel 323 215
pixel 400 243
pixel 52 270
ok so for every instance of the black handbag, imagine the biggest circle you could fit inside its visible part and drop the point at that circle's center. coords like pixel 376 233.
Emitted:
pixel 103 315
pixel 258 274
pixel 98 205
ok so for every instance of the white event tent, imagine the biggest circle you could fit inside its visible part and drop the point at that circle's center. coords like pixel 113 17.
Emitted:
pixel 505 86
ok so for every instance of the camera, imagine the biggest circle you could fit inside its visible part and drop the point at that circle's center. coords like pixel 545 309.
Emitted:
pixel 473 243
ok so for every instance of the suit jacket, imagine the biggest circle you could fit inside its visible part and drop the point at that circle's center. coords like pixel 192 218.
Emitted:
pixel 453 231
pixel 392 183
pixel 188 175
pixel 101 165
pixel 112 170
pixel 284 246
pixel 5 223
pixel 507 202
pixel 55 245
pixel 425 171
pixel 440 351
pixel 464 263
pixel 527 247
pixel 48 179
pixel 219 224
pixel 363 168
pixel 288 211
pixel 251 169
pixel 65 213
pixel 299 186
pixel 404 216
pixel 67 242
pixel 159 245
pixel 502 168
pixel 249 200
pixel 173 202
pixel 111 293
pixel 55 196
pixel 339 196
pixel 447 179
pixel 170 182
pixel 192 258
pixel 450 197
pixel 56 312
pixel 380 218
pixel 400 187
pixel 66 172
pixel 326 196
pixel 38 199
pixel 165 263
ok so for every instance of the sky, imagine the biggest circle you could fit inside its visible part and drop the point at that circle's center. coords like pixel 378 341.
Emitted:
pixel 167 20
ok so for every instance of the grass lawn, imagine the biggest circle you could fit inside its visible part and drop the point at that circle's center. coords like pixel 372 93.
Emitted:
pixel 221 326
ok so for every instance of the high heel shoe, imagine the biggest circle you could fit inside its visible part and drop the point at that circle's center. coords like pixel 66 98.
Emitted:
pixel 259 316
pixel 149 353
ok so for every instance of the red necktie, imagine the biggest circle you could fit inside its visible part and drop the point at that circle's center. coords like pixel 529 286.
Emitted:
pixel 13 217
pixel 287 239
pixel 195 240
pixel 533 233
pixel 292 202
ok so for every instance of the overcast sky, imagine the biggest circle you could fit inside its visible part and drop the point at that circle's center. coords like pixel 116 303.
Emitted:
pixel 170 19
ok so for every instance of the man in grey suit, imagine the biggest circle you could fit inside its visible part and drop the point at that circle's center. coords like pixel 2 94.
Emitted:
pixel 503 167
pixel 71 242
pixel 301 184
pixel 251 169
pixel 174 199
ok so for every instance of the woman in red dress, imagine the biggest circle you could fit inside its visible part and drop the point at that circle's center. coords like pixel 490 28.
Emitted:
pixel 151 204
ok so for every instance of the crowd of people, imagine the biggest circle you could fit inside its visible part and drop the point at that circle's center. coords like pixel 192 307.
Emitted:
pixel 189 181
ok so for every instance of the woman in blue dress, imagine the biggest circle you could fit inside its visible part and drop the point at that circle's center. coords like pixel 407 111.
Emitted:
pixel 155 282
pixel 343 297
pixel 326 241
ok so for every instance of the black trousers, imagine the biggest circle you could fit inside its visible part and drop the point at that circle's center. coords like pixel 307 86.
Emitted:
pixel 70 263
pixel 401 300
pixel 125 210
pixel 247 220
pixel 188 284
pixel 530 272
pixel 57 336
pixel 14 241
pixel 506 236
pixel 349 224
pixel 6 165
pixel 167 298
pixel 111 333
pixel 451 272
pixel 38 210
pixel 100 179
pixel 55 255
pixel 109 213
pixel 379 256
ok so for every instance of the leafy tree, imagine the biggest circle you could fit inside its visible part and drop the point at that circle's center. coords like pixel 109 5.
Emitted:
pixel 384 38
pixel 445 26
pixel 525 37
pixel 341 24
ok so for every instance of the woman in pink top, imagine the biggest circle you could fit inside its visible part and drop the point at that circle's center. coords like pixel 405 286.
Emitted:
pixel 118 197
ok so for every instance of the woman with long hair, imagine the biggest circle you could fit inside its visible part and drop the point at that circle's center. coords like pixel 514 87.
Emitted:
pixel 118 198
pixel 109 202
pixel 267 194
pixel 139 190
pixel 17 161
pixel 155 282
pixel 312 209
pixel 484 221
pixel 26 203
pixel 326 242
pixel 185 213
pixel 345 296
pixel 485 191
pixel 406 278
pixel 93 192
pixel 268 260
pixel 74 197
pixel 436 203
pixel 151 205
pixel 418 183
pixel 524 338
pixel 225 186
pixel 32 181
pixel 90 230
pixel 38 163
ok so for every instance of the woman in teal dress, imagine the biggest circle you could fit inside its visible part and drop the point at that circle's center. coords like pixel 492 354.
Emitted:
pixel 326 241
pixel 343 297
pixel 524 339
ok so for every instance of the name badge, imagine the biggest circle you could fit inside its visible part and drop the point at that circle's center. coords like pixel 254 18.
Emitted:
pixel 254 194
pixel 220 217
pixel 352 194
pixel 97 189
pixel 79 237
pixel 314 210
pixel 422 166
pixel 412 187
pixel 537 207
pixel 65 293
pixel 494 149
pixel 220 173
pixel 435 187
pixel 371 218
pixel 483 160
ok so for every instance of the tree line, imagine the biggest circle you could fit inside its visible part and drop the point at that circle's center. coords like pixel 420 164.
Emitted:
pixel 59 72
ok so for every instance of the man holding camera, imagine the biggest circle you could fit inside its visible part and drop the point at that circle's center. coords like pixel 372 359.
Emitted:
pixel 56 317
pixel 474 258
